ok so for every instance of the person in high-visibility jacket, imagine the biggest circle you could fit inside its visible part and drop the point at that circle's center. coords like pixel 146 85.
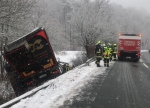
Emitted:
pixel 66 67
pixel 110 48
pixel 106 55
pixel 114 52
pixel 98 52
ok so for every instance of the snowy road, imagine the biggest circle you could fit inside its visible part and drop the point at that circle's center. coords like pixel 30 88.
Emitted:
pixel 122 85
pixel 127 85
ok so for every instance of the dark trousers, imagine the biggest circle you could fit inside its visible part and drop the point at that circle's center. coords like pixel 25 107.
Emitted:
pixel 106 62
pixel 98 61
pixel 110 58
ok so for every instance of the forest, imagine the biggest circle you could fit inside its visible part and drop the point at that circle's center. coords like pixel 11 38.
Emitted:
pixel 72 25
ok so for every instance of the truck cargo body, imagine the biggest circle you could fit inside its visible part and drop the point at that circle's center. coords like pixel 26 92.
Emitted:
pixel 129 46
pixel 30 61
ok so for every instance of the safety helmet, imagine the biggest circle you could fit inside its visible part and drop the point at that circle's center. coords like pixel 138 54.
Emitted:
pixel 104 45
pixel 108 44
pixel 98 42
pixel 115 45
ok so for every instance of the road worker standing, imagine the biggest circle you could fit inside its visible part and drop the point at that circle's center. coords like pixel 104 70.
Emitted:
pixel 98 52
pixel 114 52
pixel 106 55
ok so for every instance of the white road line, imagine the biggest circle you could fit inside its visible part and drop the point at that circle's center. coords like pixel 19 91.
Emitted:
pixel 145 65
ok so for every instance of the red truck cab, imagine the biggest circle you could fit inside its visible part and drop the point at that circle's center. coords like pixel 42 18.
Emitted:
pixel 129 46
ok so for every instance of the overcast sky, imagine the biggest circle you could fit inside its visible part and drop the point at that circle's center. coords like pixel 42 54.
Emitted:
pixel 139 4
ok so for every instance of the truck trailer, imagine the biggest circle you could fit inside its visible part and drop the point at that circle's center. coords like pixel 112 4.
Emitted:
pixel 129 47
pixel 30 61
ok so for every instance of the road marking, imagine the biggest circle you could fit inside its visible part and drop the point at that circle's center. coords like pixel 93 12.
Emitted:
pixel 145 65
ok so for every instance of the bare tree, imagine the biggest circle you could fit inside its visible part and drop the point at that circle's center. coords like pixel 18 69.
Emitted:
pixel 13 15
pixel 89 22
pixel 50 15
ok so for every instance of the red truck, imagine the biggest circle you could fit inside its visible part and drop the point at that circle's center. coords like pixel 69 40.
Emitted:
pixel 30 61
pixel 129 47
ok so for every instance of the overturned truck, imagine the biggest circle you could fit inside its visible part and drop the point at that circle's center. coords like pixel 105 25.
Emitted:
pixel 30 61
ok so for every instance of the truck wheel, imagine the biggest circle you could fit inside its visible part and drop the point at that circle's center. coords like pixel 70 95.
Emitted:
pixel 17 87
pixel 16 83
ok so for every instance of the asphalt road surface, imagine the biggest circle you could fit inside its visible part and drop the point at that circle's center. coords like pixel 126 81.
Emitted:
pixel 125 85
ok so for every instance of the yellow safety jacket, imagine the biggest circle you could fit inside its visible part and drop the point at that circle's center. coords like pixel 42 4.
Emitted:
pixel 110 50
pixel 107 53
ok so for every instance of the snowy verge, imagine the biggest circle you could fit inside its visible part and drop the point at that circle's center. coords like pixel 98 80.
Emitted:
pixel 61 88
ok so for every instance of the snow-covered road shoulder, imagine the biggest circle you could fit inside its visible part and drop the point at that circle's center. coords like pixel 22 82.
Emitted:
pixel 61 88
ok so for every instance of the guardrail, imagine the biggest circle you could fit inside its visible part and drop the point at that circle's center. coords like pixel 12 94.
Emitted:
pixel 88 62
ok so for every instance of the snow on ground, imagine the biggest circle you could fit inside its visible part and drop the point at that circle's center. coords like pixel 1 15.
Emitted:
pixel 68 56
pixel 144 50
pixel 61 88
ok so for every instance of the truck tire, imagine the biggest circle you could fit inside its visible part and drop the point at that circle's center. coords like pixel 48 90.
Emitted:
pixel 16 83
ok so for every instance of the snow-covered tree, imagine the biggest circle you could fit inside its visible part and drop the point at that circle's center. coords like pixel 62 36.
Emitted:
pixel 90 20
